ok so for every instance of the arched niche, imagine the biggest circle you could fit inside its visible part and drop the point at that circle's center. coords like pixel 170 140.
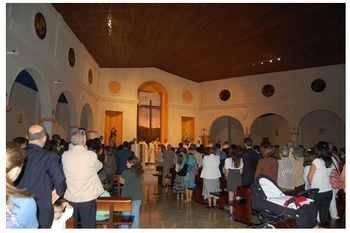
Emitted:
pixel 227 128
pixel 321 125
pixel 271 127
pixel 25 106
pixel 65 115
pixel 154 87
pixel 86 119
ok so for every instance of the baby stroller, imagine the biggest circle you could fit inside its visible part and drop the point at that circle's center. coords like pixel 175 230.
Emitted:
pixel 271 205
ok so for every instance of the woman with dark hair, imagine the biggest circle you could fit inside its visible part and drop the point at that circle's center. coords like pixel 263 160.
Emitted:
pixel 233 171
pixel 20 205
pixel 52 145
pixel 21 142
pixel 268 165
pixel 132 178
pixel 318 177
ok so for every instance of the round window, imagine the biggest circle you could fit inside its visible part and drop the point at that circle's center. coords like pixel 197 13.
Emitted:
pixel 225 95
pixel 318 85
pixel 90 78
pixel 71 57
pixel 268 90
pixel 40 25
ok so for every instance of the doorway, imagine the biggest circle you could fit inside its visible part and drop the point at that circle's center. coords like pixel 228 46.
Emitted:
pixel 113 119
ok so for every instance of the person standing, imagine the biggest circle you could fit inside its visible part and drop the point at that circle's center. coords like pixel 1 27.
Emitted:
pixel 114 151
pixel 20 205
pixel 268 165
pixel 233 171
pixel 42 175
pixel 132 178
pixel 84 186
pixel 285 176
pixel 109 164
pixel 179 186
pixel 168 163
pixel 189 179
pixel 318 177
pixel 152 152
pixel 250 161
pixel 211 174
pixel 298 155
pixel 290 146
pixel 122 155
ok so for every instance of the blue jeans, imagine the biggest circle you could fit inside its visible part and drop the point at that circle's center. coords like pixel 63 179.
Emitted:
pixel 134 211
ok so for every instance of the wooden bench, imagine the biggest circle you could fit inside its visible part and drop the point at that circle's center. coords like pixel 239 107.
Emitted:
pixel 223 198
pixel 243 207
pixel 198 197
pixel 117 185
pixel 159 174
pixel 114 205
pixel 171 176
pixel 334 223
pixel 222 195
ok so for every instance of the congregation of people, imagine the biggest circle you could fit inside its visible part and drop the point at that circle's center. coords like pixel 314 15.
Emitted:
pixel 50 180
pixel 291 167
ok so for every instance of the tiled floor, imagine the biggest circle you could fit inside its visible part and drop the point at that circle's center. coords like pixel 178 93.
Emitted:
pixel 160 209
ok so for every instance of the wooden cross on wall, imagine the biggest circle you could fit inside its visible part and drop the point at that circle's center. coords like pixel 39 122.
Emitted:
pixel 150 107
pixel 204 129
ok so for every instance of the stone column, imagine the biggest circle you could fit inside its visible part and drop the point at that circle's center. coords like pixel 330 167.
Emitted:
pixel 48 124
pixel 73 128
pixel 295 137
pixel 90 134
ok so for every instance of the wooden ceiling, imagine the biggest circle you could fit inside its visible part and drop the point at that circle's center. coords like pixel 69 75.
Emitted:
pixel 210 41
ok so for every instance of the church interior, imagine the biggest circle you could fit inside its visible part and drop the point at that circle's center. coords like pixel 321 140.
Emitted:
pixel 175 71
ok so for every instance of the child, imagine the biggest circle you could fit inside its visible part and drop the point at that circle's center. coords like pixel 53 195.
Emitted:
pixel 310 155
pixel 62 212
pixel 179 186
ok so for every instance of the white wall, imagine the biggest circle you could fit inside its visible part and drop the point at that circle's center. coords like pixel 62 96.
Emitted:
pixel 47 60
pixel 130 79
pixel 293 97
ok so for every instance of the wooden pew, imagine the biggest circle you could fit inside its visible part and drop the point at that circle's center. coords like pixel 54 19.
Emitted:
pixel 159 174
pixel 223 198
pixel 243 207
pixel 198 197
pixel 116 184
pixel 114 205
pixel 223 195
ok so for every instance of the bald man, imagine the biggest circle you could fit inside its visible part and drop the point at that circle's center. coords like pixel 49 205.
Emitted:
pixel 41 175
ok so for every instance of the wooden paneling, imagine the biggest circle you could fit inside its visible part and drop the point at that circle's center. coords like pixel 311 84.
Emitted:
pixel 207 41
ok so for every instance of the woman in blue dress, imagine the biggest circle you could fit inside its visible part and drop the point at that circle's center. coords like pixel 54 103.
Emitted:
pixel 189 179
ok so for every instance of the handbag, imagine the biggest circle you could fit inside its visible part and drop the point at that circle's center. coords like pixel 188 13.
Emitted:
pixel 335 179
pixel 183 170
